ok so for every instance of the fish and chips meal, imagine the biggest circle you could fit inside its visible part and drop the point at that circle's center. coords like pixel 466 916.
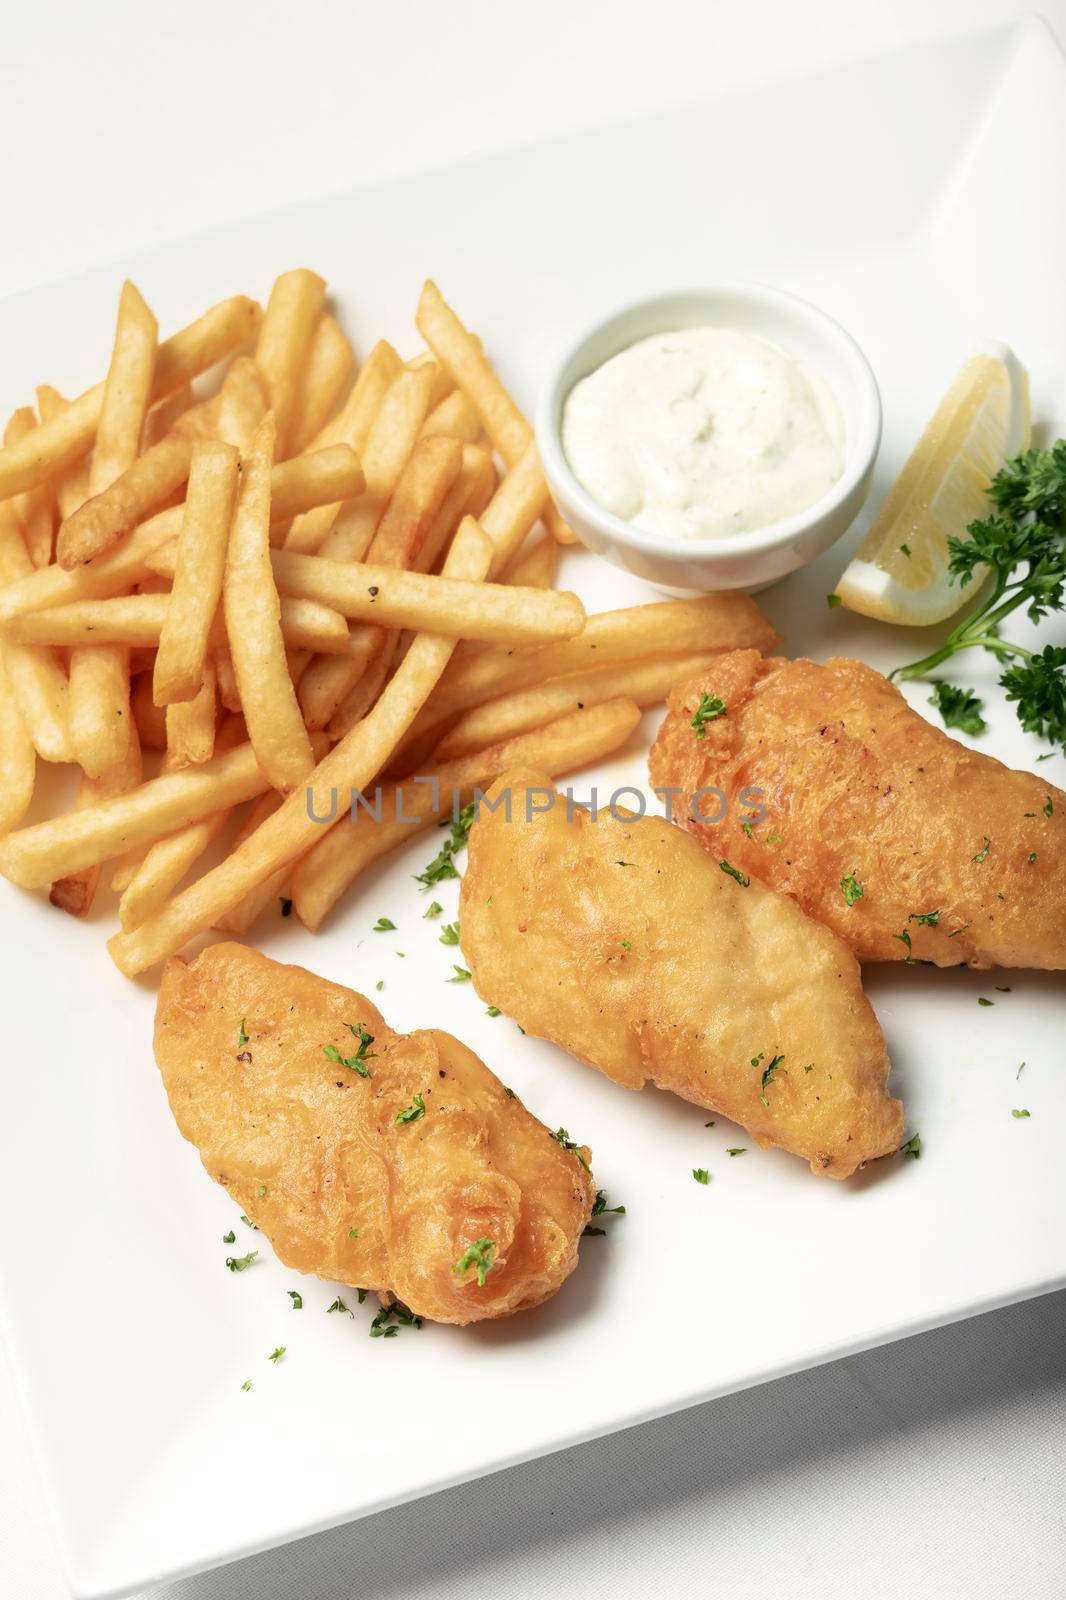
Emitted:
pixel 247 573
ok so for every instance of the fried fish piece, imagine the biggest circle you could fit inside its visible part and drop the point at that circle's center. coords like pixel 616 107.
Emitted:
pixel 623 942
pixel 367 1157
pixel 905 843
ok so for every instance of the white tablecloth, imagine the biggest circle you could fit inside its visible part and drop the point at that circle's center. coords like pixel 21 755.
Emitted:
pixel 934 1466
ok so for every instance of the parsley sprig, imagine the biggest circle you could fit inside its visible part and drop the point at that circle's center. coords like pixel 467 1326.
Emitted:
pixel 443 865
pixel 480 1255
pixel 1023 545
pixel 709 709
pixel 358 1062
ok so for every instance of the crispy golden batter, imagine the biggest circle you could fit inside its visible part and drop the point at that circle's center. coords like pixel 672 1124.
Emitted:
pixel 624 943
pixel 311 1150
pixel 857 785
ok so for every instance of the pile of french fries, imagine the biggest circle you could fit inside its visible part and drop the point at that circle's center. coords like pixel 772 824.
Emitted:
pixel 290 579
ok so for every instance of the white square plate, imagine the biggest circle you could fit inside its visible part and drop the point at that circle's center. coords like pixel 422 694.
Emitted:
pixel 918 198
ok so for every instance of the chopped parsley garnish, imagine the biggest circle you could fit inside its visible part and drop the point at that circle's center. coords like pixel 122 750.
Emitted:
pixel 297 1299
pixel 449 933
pixel 1020 1070
pixel 358 1062
pixel 384 925
pixel 701 1175
pixel 737 1150
pixel 1049 809
pixel 626 945
pixel 443 866
pixel 905 550
pixel 238 1263
pixel 832 601
pixel 480 1255
pixel 248 1223
pixel 229 1238
pixel 493 1011
pixel 1019 1114
pixel 338 1305
pixel 747 830
pixel 982 854
pixel 353 1233
pixel 246 1385
pixel 286 906
pixel 1021 546
pixel 958 708
pixel 380 985
pixel 262 1190
pixel 928 919
pixel 851 889
pixel 561 1136
pixel 390 1319
pixel 625 863
pixel 461 975
pixel 242 1037
pixel 600 1208
pixel 434 909
pixel 708 710
pixel 768 1077
pixel 411 1113
pixel 362 1294
pixel 981 1001
pixel 735 872
pixel 905 940
pixel 276 1355
pixel 913 1147
pixel 509 1093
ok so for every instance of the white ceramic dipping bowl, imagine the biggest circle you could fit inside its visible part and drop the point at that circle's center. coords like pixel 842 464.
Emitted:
pixel 741 561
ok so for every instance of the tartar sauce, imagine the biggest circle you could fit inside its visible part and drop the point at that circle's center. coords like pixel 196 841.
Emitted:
pixel 703 433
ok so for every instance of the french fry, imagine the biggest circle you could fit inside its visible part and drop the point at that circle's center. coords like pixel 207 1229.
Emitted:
pixel 293 829
pixel 352 532
pixel 157 869
pixel 239 918
pixel 150 719
pixel 361 696
pixel 646 683
pixel 242 403
pixel 405 810
pixel 37 676
pixel 99 524
pixel 36 508
pixel 191 725
pixel 228 693
pixel 405 524
pixel 67 437
pixel 356 417
pixel 497 613
pixel 163 866
pixel 283 348
pixel 165 415
pixel 294 486
pixel 711 624
pixel 329 367
pixel 253 627
pixel 467 497
pixel 534 567
pixel 515 507
pixel 127 391
pixel 458 351
pixel 201 561
pixel 18 759
pixel 100 705
pixel 396 427
pixel 34 856
pixel 455 418
pixel 443 382
pixel 351 426
pixel 71 484
pixel 75 892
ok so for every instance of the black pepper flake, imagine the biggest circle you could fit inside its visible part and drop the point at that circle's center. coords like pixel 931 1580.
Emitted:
pixel 373 591
pixel 245 1055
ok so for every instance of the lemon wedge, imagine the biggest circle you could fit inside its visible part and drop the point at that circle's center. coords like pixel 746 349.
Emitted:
pixel 900 572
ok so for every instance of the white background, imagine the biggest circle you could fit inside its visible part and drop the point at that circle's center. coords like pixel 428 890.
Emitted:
pixel 934 1466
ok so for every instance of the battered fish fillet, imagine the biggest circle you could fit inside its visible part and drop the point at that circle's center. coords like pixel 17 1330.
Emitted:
pixel 316 1154
pixel 950 848
pixel 623 942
